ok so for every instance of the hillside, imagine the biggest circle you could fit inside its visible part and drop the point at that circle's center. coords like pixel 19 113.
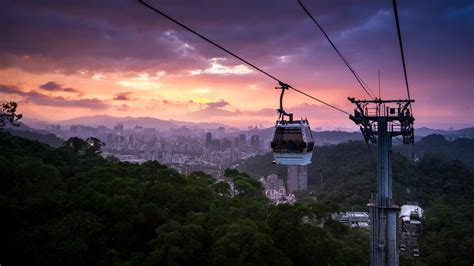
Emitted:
pixel 27 132
pixel 321 137
pixel 345 174
pixel 47 138
pixel 335 137
pixel 458 149
pixel 450 134
pixel 70 206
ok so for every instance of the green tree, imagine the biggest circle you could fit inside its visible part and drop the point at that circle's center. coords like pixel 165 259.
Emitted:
pixel 8 114
pixel 177 244
pixel 245 242
pixel 33 177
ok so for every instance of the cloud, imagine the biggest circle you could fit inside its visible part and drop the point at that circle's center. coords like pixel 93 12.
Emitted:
pixel 123 96
pixel 100 37
pixel 166 104
pixel 71 90
pixel 110 37
pixel 263 112
pixel 219 104
pixel 123 108
pixel 7 89
pixel 213 112
pixel 97 76
pixel 202 91
pixel 144 81
pixel 45 36
pixel 53 86
pixel 55 101
pixel 215 109
pixel 218 112
pixel 300 111
pixel 217 68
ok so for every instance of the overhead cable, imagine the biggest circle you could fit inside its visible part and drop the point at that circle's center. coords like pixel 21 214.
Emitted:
pixel 238 57
pixel 401 50
pixel 358 78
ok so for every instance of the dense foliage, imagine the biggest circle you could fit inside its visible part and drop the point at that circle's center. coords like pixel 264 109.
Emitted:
pixel 461 149
pixel 48 138
pixel 70 206
pixel 345 173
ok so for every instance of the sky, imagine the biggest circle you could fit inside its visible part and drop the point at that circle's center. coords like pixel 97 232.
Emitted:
pixel 64 59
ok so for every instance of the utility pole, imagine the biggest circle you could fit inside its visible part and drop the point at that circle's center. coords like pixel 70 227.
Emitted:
pixel 379 121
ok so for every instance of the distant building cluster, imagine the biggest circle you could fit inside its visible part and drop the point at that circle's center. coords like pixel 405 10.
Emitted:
pixel 184 149
pixel 275 190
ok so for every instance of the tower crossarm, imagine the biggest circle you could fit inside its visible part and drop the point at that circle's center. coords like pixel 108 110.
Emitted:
pixel 396 113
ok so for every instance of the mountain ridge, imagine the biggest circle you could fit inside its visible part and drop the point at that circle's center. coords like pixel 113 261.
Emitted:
pixel 144 121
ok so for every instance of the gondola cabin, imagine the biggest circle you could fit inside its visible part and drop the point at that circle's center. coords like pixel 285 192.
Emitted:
pixel 292 142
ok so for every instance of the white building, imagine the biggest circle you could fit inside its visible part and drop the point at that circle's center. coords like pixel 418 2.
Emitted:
pixel 353 219
pixel 274 187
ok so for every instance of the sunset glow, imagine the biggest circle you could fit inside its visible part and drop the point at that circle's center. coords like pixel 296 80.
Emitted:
pixel 94 57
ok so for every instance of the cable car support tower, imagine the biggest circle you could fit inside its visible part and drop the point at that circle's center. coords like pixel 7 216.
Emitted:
pixel 380 121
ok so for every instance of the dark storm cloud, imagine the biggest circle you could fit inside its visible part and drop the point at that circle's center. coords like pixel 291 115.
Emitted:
pixel 54 101
pixel 125 36
pixel 107 34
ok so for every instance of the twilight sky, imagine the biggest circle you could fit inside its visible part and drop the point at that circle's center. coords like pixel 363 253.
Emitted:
pixel 63 59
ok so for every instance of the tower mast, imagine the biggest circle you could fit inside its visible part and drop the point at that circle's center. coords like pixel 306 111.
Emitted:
pixel 379 121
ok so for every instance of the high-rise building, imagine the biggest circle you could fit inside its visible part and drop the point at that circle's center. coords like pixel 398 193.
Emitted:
pixel 216 145
pixel 208 140
pixel 236 143
pixel 226 143
pixel 221 131
pixel 255 142
pixel 297 178
pixel 242 143
pixel 118 129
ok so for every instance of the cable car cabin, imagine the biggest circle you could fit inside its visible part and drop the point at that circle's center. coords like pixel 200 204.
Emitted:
pixel 292 143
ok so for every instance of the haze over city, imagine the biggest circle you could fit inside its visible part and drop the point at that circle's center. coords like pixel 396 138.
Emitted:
pixel 113 57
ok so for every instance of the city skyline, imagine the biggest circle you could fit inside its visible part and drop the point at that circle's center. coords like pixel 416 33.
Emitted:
pixel 118 58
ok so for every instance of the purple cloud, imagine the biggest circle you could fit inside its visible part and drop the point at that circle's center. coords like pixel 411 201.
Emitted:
pixel 102 35
pixel 123 108
pixel 56 101
pixel 53 86
pixel 123 96
pixel 219 104
pixel 7 89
